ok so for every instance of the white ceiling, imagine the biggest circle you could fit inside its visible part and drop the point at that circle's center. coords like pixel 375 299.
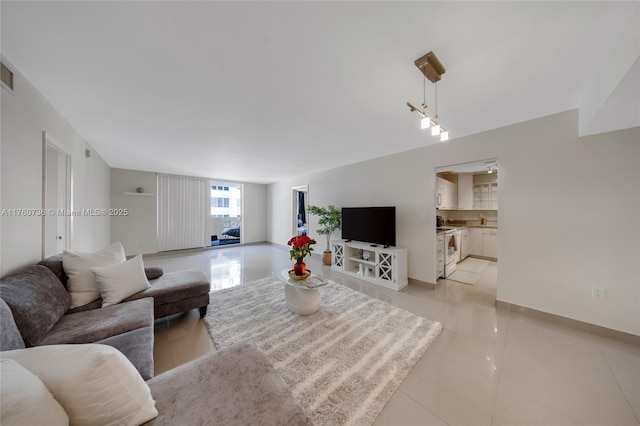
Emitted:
pixel 262 91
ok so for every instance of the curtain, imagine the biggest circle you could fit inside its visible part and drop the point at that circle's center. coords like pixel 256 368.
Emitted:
pixel 181 213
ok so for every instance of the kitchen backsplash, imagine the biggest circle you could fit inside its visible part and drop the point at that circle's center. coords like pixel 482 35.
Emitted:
pixel 471 215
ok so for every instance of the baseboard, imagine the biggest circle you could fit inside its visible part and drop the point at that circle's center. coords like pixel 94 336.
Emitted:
pixel 475 256
pixel 425 284
pixel 569 322
pixel 197 250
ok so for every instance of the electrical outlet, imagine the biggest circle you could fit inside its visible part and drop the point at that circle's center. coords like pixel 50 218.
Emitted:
pixel 597 292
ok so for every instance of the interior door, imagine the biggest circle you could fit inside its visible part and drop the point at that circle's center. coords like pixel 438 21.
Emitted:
pixel 56 199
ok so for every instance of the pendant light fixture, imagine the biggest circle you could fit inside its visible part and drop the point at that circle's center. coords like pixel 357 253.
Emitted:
pixel 432 69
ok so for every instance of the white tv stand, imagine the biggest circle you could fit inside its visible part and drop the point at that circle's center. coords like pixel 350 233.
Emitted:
pixel 383 266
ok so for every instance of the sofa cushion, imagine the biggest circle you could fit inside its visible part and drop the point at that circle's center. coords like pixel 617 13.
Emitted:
pixel 10 337
pixel 25 399
pixel 82 284
pixel 95 384
pixel 175 286
pixel 119 281
pixel 55 264
pixel 97 324
pixel 96 304
pixel 137 346
pixel 37 300
pixel 235 386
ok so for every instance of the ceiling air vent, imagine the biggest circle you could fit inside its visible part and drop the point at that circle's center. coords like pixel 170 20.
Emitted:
pixel 7 78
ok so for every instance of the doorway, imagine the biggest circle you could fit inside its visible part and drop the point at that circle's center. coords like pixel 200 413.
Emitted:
pixel 56 197
pixel 300 202
pixel 467 197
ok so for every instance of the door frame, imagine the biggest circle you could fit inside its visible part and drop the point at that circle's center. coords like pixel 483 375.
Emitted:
pixel 49 142
pixel 443 168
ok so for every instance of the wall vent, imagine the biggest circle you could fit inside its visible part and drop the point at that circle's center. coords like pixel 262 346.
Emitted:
pixel 7 77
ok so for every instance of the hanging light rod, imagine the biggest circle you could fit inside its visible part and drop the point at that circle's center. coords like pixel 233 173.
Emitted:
pixel 412 108
pixel 430 66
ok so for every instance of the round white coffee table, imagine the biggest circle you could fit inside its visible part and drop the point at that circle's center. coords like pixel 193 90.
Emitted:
pixel 300 299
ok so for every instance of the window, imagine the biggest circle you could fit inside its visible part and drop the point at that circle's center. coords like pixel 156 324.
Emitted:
pixel 225 200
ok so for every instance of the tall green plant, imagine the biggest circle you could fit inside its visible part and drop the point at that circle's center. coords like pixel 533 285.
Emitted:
pixel 329 220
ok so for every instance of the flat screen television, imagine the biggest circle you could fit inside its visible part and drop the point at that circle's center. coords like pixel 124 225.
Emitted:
pixel 376 225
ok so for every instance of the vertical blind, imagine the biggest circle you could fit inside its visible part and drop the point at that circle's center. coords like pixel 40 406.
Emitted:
pixel 181 213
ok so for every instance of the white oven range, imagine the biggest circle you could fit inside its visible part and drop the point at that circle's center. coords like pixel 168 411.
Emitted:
pixel 452 240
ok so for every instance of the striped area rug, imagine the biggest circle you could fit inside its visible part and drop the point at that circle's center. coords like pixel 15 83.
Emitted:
pixel 342 363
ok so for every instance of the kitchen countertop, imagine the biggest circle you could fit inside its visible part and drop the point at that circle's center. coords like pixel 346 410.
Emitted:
pixel 468 225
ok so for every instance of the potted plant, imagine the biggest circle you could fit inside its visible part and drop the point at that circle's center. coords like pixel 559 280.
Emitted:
pixel 300 247
pixel 329 221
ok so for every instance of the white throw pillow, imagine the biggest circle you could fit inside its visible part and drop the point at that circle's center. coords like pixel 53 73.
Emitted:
pixel 82 283
pixel 95 384
pixel 25 399
pixel 117 282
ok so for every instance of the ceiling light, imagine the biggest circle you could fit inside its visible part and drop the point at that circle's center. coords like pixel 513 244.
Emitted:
pixel 432 69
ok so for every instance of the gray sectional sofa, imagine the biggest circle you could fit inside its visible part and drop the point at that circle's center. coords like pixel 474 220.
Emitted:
pixel 233 386
pixel 172 293
pixel 39 303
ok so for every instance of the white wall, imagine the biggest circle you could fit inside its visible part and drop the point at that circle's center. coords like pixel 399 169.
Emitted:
pixel 254 213
pixel 556 193
pixel 25 115
pixel 137 231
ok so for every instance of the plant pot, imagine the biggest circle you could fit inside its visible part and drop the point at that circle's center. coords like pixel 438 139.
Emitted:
pixel 326 257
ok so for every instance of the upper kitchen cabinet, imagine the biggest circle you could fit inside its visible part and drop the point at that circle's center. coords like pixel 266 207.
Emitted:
pixel 446 196
pixel 485 192
pixel 467 187
pixel 465 191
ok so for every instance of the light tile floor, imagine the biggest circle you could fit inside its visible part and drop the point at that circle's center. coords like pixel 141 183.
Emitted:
pixel 476 272
pixel 489 366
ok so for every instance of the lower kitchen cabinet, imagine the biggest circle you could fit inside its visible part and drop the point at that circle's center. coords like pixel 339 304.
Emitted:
pixel 482 242
pixel 439 256
pixel 475 241
pixel 490 242
pixel 465 244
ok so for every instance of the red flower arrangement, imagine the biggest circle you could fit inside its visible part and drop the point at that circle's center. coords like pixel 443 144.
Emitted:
pixel 300 246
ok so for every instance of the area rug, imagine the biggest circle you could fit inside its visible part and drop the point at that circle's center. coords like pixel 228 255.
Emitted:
pixel 342 363
pixel 468 271
pixel 464 277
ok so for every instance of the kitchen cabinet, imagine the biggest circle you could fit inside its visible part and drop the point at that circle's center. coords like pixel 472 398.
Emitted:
pixel 475 241
pixel 465 248
pixel 465 191
pixel 485 196
pixel 439 255
pixel 490 242
pixel 446 197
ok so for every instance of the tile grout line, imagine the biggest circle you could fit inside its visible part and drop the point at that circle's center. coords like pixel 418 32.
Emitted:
pixel 624 394
pixel 504 348
pixel 418 402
